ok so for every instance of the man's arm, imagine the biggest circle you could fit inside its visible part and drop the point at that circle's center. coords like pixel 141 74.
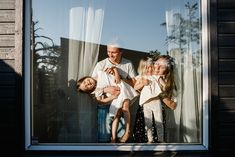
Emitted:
pixel 106 100
pixel 113 90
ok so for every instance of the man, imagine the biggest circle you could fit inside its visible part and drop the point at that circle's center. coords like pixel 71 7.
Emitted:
pixel 125 69
pixel 124 66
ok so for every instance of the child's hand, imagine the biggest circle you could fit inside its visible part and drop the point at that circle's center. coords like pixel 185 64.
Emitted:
pixel 109 70
pixel 162 82
pixel 144 81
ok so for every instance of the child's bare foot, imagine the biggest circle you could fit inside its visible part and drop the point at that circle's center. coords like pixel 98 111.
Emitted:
pixel 124 138
pixel 113 140
pixel 150 142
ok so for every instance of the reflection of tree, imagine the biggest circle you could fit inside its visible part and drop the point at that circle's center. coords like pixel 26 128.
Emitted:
pixel 183 40
pixel 45 55
pixel 154 53
pixel 185 30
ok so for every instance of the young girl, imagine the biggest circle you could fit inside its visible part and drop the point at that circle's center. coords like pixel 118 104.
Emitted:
pixel 119 103
pixel 151 87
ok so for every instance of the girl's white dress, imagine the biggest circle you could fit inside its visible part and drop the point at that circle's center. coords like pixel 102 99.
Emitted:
pixel 150 91
pixel 152 108
pixel 126 91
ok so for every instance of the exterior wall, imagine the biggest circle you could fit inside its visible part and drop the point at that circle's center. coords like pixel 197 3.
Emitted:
pixel 222 76
pixel 226 75
pixel 10 73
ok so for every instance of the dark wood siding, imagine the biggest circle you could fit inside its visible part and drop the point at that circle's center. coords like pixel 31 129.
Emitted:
pixel 226 73
pixel 10 74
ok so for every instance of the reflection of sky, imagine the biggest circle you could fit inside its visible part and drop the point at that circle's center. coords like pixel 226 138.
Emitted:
pixel 135 22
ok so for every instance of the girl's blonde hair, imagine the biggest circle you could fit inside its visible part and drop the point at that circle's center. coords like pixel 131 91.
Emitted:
pixel 143 64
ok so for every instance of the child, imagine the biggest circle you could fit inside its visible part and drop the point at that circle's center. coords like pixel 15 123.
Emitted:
pixel 151 87
pixel 119 104
pixel 149 91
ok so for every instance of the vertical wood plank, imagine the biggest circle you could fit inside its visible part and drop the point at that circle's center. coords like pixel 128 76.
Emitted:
pixel 18 36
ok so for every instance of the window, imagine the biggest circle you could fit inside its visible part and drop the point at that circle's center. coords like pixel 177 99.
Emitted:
pixel 64 41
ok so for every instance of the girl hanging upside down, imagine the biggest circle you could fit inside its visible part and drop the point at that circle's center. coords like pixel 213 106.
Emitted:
pixel 120 101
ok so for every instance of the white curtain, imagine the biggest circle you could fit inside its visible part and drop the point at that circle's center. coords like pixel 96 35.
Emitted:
pixel 86 24
pixel 184 124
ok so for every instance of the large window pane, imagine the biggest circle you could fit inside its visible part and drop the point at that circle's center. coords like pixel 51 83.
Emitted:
pixel 68 38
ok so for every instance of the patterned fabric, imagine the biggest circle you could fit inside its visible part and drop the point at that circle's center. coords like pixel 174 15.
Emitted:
pixel 154 118
pixel 139 133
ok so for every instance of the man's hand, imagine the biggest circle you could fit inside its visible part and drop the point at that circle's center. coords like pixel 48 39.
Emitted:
pixel 113 90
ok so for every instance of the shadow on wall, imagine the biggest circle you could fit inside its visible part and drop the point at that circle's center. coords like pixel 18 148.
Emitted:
pixel 11 110
pixel 226 121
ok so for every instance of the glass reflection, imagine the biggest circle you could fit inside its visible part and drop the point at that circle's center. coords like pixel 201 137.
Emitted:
pixel 70 36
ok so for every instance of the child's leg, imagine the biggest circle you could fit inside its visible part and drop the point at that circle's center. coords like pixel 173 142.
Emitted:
pixel 115 126
pixel 127 118
pixel 148 120
pixel 158 120
pixel 170 103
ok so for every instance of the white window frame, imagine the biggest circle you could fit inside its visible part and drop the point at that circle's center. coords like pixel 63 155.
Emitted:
pixel 129 146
